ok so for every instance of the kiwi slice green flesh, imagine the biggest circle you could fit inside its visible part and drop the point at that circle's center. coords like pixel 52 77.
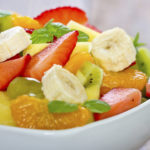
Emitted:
pixel 143 60
pixel 91 76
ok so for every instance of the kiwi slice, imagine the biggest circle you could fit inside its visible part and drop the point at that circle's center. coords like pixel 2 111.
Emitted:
pixel 91 76
pixel 143 60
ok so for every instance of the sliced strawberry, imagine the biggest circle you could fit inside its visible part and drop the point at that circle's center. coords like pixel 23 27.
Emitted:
pixel 148 88
pixel 11 69
pixel 29 30
pixel 63 15
pixel 14 57
pixel 56 53
pixel 120 100
pixel 93 27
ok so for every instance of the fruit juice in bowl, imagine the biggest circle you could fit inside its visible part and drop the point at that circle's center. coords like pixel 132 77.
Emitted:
pixel 58 72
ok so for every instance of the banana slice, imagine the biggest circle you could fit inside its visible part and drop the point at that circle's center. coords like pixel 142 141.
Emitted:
pixel 60 84
pixel 113 50
pixel 13 41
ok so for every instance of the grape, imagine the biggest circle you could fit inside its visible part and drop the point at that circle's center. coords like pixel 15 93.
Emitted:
pixel 24 86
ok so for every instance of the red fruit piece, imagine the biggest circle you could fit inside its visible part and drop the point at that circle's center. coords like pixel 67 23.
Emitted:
pixel 120 100
pixel 29 30
pixel 14 57
pixel 56 53
pixel 93 28
pixel 63 15
pixel 148 88
pixel 11 69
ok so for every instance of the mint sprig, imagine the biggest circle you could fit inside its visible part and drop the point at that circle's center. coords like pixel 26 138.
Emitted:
pixel 54 29
pixel 61 107
pixel 136 42
pixel 97 106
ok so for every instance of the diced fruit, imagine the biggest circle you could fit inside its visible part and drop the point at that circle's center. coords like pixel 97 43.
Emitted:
pixel 29 112
pixel 35 48
pixel 24 86
pixel 56 53
pixel 120 100
pixel 11 69
pixel 25 22
pixel 92 27
pixel 14 57
pixel 129 78
pixel 5 23
pixel 77 60
pixel 12 42
pixel 5 111
pixel 82 47
pixel 91 76
pixel 143 60
pixel 148 88
pixel 30 31
pixel 113 50
pixel 76 26
pixel 60 84
pixel 63 15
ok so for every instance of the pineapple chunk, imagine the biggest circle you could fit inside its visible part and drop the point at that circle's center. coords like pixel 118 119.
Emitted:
pixel 5 111
pixel 34 48
pixel 82 47
pixel 91 33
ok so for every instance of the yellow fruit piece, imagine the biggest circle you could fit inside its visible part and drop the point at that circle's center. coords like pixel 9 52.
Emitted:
pixel 5 111
pixel 129 78
pixel 77 60
pixel 82 47
pixel 34 49
pixel 30 112
pixel 91 33
pixel 25 22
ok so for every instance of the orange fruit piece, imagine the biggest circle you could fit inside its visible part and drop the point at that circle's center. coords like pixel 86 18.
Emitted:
pixel 120 100
pixel 129 78
pixel 30 112
pixel 25 22
pixel 76 61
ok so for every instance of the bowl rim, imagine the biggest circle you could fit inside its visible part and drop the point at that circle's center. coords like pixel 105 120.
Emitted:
pixel 56 133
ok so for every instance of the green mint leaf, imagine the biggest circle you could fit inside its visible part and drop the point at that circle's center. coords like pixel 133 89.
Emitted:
pixel 61 107
pixel 48 32
pixel 136 42
pixel 4 13
pixel 82 37
pixel 57 29
pixel 51 30
pixel 41 36
pixel 97 106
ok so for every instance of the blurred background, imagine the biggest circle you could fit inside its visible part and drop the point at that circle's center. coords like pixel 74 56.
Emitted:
pixel 132 15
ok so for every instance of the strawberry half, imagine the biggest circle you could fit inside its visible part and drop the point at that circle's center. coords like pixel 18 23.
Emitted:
pixel 63 15
pixel 56 53
pixel 11 69
pixel 148 88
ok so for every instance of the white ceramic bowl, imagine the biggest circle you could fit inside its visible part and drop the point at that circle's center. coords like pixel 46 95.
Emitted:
pixel 127 131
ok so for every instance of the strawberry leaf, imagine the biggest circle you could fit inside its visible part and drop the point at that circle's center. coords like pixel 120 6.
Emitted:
pixel 61 107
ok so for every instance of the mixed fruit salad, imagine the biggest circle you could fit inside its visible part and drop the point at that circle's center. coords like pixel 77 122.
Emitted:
pixel 57 71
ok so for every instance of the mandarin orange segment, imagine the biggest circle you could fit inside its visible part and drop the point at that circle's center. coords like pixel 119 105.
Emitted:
pixel 76 61
pixel 30 112
pixel 25 22
pixel 129 78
